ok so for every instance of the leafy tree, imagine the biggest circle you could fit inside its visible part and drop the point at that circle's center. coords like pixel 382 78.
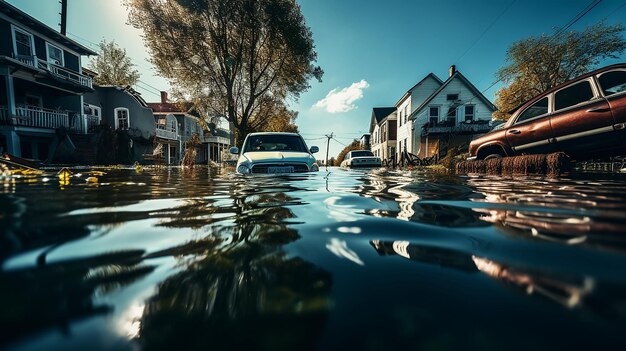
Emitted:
pixel 355 145
pixel 232 55
pixel 332 162
pixel 113 66
pixel 536 64
pixel 273 116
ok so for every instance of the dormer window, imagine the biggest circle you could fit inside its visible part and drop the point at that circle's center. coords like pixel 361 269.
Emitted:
pixel 55 54
pixel 452 97
pixel 23 42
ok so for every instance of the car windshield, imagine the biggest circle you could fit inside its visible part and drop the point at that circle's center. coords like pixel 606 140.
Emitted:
pixel 362 153
pixel 277 142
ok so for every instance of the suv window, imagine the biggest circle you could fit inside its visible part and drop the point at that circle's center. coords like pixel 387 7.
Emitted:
pixel 573 95
pixel 537 109
pixel 274 142
pixel 613 82
pixel 361 153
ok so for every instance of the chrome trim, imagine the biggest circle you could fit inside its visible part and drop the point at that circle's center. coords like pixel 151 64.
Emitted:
pixel 529 145
pixel 472 158
pixel 585 133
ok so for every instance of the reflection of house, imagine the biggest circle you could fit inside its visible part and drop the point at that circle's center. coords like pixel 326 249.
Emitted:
pixel 176 127
pixel 413 98
pixel 42 87
pixel 383 131
pixel 450 116
pixel 123 110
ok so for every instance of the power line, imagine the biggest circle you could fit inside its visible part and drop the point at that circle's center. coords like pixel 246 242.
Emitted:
pixel 486 30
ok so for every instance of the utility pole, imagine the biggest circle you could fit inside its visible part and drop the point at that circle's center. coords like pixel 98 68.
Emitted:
pixel 63 17
pixel 327 147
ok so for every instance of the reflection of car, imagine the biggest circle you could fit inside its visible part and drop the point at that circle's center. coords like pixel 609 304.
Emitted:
pixel 275 153
pixel 360 158
pixel 584 117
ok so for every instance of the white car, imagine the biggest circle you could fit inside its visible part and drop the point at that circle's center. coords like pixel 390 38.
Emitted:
pixel 360 158
pixel 275 153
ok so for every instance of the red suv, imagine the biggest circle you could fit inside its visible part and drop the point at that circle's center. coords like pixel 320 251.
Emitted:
pixel 584 117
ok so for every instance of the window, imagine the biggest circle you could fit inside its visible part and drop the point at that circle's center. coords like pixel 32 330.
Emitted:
pixel 573 95
pixel 55 55
pixel 537 109
pixel 400 119
pixel 451 115
pixel 613 82
pixel 121 118
pixel 406 113
pixel 33 101
pixel 23 42
pixel 93 110
pixel 433 115
pixel 469 112
pixel 451 97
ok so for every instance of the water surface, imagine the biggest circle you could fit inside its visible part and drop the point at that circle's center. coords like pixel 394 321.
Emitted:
pixel 162 259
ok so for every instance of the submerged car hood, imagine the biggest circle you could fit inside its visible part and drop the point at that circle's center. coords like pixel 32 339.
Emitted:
pixel 276 156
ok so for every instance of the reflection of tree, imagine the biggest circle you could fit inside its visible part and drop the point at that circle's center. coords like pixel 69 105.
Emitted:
pixel 245 292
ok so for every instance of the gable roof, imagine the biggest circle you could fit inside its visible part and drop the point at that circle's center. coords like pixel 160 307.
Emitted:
pixel 379 114
pixel 467 83
pixel 31 22
pixel 408 92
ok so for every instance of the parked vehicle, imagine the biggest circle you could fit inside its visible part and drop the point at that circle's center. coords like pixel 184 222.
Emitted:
pixel 584 117
pixel 361 158
pixel 275 153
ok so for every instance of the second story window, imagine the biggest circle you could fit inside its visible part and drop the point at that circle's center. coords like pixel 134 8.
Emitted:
pixel 451 97
pixel 55 54
pixel 23 42
pixel 121 118
pixel 433 115
pixel 469 112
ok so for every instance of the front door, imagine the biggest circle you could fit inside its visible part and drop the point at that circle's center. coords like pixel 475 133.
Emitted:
pixel 531 132
pixel 582 121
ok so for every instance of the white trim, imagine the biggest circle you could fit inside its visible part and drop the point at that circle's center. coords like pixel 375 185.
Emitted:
pixel 44 37
pixel 529 145
pixel 49 59
pixel 14 28
pixel 586 133
pixel 473 112
pixel 115 111
pixel 438 107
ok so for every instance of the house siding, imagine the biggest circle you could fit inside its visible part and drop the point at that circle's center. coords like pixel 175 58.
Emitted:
pixel 418 95
pixel 481 111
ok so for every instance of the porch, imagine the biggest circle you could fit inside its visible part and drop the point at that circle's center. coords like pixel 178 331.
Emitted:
pixel 56 71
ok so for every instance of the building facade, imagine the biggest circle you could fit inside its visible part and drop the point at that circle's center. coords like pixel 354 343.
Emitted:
pixel 41 104
pixel 383 130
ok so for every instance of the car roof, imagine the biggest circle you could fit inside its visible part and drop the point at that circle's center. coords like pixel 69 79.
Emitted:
pixel 551 90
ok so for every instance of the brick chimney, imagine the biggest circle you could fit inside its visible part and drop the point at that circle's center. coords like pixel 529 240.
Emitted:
pixel 164 97
pixel 452 70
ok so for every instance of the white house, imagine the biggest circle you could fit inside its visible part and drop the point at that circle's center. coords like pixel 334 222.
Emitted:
pixel 451 115
pixel 407 104
pixel 383 131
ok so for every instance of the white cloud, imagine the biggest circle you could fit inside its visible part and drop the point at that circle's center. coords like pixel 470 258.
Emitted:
pixel 343 100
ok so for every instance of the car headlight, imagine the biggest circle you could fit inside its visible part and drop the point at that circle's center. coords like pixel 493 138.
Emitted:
pixel 243 169
pixel 315 167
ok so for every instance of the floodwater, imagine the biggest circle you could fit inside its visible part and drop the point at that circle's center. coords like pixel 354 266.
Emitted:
pixel 171 259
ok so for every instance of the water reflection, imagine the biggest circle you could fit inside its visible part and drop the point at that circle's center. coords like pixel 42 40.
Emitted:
pixel 204 259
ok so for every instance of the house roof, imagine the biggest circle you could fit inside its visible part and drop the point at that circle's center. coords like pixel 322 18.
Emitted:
pixel 408 93
pixel 471 86
pixel 379 114
pixel 132 92
pixel 30 21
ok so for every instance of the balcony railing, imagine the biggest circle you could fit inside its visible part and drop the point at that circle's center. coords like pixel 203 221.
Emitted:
pixel 461 128
pixel 216 139
pixel 166 133
pixel 29 116
pixel 55 70
pixel 85 124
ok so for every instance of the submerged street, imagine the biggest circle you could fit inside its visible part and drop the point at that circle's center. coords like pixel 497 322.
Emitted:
pixel 171 258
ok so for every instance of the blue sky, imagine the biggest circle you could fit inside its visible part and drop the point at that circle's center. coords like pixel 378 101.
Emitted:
pixel 371 51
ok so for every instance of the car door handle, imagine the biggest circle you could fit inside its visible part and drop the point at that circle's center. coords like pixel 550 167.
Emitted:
pixel 599 109
pixel 514 131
